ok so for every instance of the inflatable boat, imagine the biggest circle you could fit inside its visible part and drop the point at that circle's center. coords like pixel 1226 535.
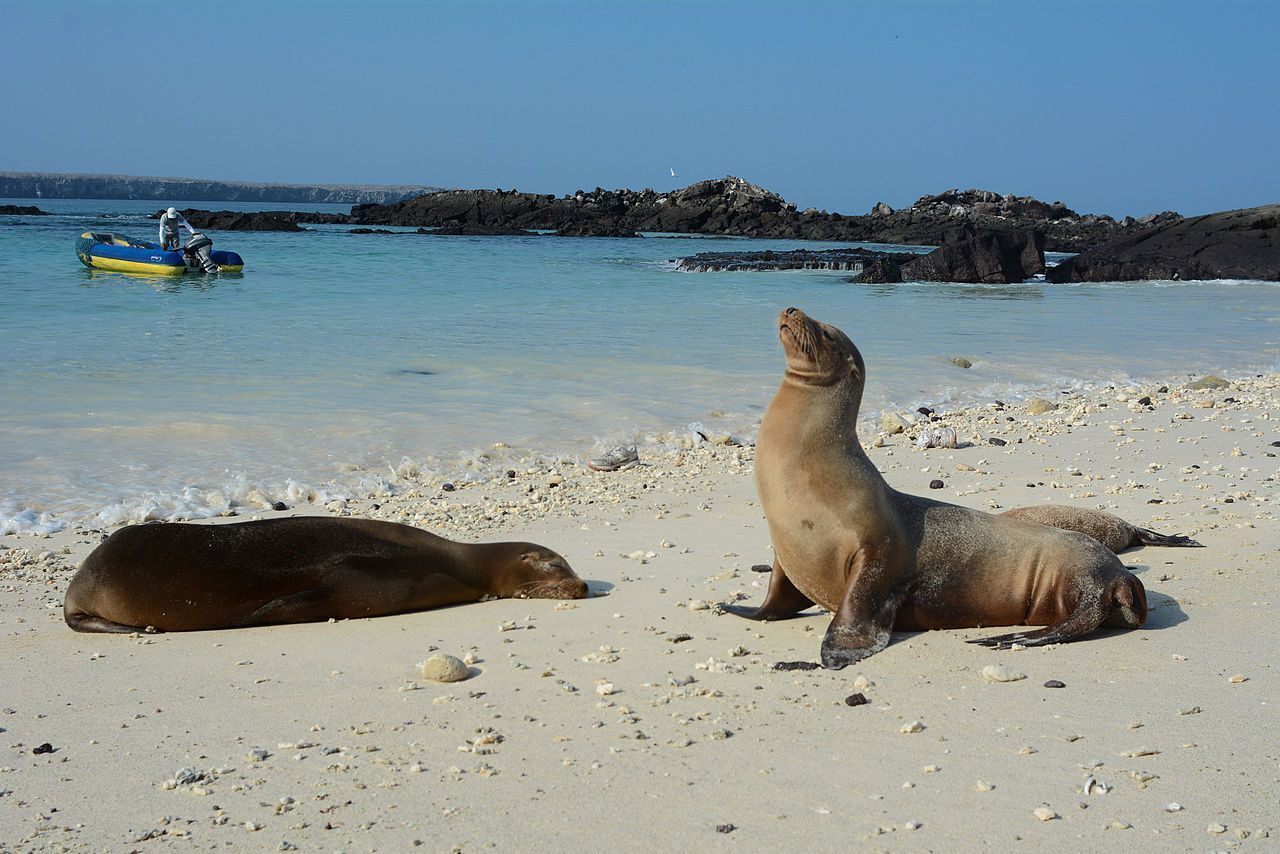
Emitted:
pixel 103 251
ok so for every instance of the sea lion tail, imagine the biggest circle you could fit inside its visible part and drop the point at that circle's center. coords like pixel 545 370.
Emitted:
pixel 1146 537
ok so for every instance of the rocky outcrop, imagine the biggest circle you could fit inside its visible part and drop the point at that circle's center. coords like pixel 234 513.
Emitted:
pixel 879 271
pixel 732 206
pixel 939 219
pixel 991 258
pixel 53 185
pixel 587 229
pixel 21 210
pixel 987 258
pixel 256 220
pixel 798 259
pixel 1240 244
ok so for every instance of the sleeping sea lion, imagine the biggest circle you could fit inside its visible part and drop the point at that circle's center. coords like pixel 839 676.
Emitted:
pixel 179 577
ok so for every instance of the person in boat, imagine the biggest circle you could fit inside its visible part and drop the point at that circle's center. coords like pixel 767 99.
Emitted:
pixel 170 221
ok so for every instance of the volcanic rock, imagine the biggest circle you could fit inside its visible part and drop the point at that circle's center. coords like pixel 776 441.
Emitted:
pixel 21 210
pixel 1239 244
pixel 986 258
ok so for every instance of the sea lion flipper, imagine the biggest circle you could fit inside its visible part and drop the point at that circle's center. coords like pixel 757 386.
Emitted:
pixel 1147 537
pixel 782 602
pixel 862 625
pixel 1122 603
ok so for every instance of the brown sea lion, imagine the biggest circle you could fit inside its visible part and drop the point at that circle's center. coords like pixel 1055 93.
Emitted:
pixel 184 577
pixel 883 560
pixel 1112 531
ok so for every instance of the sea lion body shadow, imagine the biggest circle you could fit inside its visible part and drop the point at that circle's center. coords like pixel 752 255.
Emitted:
pixel 881 559
pixel 186 577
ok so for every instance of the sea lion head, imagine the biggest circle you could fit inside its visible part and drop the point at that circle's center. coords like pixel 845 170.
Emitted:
pixel 819 354
pixel 531 571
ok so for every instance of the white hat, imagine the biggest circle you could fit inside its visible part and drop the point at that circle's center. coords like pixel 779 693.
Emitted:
pixel 172 212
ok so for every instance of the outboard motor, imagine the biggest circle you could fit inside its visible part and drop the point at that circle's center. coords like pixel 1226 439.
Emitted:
pixel 199 251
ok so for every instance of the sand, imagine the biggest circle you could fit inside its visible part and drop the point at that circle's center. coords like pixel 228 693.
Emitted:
pixel 645 719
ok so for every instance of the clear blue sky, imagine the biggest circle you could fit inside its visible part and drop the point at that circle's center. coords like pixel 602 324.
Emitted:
pixel 1117 107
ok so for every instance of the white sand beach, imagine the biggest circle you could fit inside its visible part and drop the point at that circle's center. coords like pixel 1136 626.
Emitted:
pixel 644 719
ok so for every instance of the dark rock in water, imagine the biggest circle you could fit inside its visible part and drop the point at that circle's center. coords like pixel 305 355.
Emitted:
pixel 1241 244
pixel 604 229
pixel 732 206
pixel 992 258
pixel 21 210
pixel 796 259
pixel 471 229
pixel 372 231
pixel 256 220
pixel 879 271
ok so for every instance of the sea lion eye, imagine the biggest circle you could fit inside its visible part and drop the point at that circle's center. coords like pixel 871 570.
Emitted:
pixel 827 335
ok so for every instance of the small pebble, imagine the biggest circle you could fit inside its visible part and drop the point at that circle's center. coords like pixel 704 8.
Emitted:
pixel 1173 807
pixel 982 786
pixel 1216 828
pixel 913 726
pixel 1238 678
pixel 936 484
pixel 726 828
pixel 1054 683
pixel 1046 814
pixel 855 700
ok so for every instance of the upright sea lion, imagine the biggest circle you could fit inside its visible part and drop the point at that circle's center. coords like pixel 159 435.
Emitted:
pixel 880 559
pixel 184 577
pixel 1112 531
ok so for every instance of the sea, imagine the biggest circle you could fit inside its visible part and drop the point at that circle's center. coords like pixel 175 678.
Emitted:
pixel 337 364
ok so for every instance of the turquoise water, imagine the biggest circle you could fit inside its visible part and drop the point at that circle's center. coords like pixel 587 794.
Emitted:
pixel 336 359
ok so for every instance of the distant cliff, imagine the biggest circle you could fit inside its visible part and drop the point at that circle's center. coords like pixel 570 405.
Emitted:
pixel 53 185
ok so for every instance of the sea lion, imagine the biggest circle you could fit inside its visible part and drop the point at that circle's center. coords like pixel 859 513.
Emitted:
pixel 1112 531
pixel 883 560
pixel 182 577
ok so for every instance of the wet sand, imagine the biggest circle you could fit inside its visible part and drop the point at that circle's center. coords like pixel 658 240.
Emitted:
pixel 643 718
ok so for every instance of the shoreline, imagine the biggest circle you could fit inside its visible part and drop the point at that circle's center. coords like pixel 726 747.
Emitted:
pixel 468 467
pixel 698 732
